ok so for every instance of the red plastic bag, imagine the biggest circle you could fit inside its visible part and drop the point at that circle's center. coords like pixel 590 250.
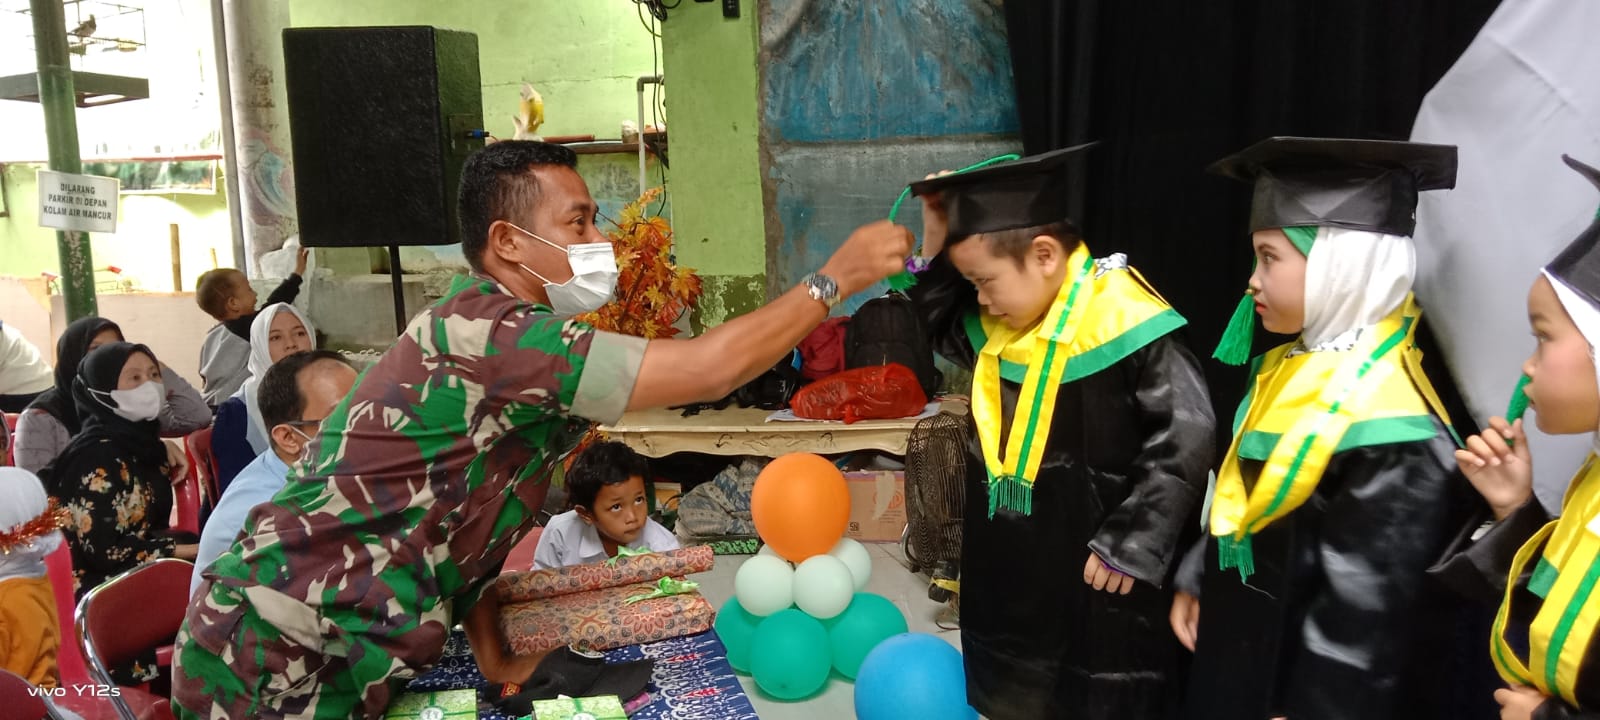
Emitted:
pixel 867 393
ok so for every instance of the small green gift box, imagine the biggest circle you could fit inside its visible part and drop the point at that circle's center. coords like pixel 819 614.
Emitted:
pixel 605 707
pixel 447 705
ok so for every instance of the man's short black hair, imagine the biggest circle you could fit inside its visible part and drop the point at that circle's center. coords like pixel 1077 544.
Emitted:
pixel 279 395
pixel 602 464
pixel 498 183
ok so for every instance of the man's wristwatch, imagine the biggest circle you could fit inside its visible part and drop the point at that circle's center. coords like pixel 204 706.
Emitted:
pixel 822 288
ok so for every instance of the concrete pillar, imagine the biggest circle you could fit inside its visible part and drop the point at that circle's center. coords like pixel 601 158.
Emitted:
pixel 253 31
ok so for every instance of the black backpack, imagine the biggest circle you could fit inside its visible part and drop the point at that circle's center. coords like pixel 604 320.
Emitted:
pixel 889 330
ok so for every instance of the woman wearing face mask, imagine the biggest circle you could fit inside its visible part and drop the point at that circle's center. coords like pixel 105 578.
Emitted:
pixel 113 478
pixel 51 420
pixel 238 437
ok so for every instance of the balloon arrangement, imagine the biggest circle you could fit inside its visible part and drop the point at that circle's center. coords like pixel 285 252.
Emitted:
pixel 798 610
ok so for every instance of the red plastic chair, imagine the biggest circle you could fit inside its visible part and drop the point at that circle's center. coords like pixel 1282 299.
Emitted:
pixel 21 698
pixel 520 559
pixel 203 462
pixel 186 493
pixel 131 614
pixel 8 457
pixel 69 659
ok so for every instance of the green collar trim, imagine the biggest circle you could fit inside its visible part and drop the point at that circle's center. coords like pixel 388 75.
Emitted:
pixel 1094 360
pixel 1257 445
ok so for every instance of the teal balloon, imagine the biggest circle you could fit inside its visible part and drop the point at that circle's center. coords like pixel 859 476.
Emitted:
pixel 790 656
pixel 870 620
pixel 737 628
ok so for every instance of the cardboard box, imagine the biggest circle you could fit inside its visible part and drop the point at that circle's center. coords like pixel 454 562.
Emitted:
pixel 447 705
pixel 592 708
pixel 877 505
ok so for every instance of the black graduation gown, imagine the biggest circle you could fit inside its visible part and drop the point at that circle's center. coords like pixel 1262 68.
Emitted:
pixel 1479 570
pixel 1339 620
pixel 1123 473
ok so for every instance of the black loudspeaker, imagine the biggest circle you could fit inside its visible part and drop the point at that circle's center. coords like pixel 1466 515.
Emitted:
pixel 382 119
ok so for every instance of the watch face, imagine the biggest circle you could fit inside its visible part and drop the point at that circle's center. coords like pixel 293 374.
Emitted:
pixel 825 285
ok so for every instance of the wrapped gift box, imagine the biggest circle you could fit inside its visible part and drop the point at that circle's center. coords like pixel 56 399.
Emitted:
pixel 592 708
pixel 447 705
pixel 587 605
pixel 632 570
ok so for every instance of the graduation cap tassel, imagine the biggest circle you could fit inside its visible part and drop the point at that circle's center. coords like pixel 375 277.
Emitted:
pixel 1234 348
pixel 905 280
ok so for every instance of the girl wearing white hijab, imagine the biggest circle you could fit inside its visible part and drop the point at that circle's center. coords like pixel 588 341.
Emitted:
pixel 1334 496
pixel 279 330
pixel 30 525
pixel 1542 571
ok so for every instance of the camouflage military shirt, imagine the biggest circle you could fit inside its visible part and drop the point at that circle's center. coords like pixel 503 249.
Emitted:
pixel 421 480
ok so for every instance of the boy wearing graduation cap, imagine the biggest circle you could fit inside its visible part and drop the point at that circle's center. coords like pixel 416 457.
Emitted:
pixel 1094 435
pixel 1335 494
pixel 1542 572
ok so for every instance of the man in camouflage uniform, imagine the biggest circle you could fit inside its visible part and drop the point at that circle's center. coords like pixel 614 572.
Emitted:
pixel 424 477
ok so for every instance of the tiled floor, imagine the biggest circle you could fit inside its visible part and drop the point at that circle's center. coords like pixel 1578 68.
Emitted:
pixel 890 578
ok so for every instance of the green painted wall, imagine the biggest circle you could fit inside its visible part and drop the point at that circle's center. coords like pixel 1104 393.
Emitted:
pixel 716 171
pixel 141 246
pixel 581 55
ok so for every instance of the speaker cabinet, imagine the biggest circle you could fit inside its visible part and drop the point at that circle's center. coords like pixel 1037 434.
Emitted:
pixel 382 119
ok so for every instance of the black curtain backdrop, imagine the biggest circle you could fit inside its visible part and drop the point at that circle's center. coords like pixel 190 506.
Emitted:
pixel 1170 87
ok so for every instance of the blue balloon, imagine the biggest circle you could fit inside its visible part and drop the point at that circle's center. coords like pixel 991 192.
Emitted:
pixel 914 675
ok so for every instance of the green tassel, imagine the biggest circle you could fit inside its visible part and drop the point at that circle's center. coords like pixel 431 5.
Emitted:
pixel 1519 401
pixel 1012 493
pixel 1234 348
pixel 902 281
pixel 1233 553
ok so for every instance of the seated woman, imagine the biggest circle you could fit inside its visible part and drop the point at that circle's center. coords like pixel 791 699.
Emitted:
pixel 51 420
pixel 113 478
pixel 279 330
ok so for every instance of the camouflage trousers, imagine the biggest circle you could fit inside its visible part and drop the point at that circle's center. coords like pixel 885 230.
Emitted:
pixel 229 663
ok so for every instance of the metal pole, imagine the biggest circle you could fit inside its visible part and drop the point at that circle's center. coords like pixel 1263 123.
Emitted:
pixel 59 100
pixel 230 153
pixel 177 261
pixel 639 90
pixel 397 283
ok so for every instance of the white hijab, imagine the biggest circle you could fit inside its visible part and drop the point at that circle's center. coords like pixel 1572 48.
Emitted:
pixel 1354 279
pixel 260 360
pixel 1586 316
pixel 22 498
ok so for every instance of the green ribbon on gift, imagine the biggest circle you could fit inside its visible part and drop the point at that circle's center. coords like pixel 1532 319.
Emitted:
pixel 623 551
pixel 666 587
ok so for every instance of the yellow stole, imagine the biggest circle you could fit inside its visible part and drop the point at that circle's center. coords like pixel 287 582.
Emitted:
pixel 1565 577
pixel 1303 409
pixel 1100 316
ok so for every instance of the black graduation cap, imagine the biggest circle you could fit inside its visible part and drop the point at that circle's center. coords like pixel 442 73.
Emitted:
pixel 1579 264
pixel 1027 192
pixel 1355 184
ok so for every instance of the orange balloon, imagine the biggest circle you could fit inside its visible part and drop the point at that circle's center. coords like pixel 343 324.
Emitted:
pixel 800 505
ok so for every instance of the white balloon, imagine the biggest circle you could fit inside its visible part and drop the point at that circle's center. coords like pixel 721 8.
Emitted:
pixel 764 585
pixel 823 587
pixel 854 556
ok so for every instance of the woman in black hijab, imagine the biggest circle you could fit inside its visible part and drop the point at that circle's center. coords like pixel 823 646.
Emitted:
pixel 113 479
pixel 51 419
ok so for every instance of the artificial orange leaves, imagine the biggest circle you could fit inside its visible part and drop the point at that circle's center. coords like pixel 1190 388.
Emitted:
pixel 653 292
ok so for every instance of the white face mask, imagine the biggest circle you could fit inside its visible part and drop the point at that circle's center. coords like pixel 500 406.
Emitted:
pixel 139 404
pixel 594 277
